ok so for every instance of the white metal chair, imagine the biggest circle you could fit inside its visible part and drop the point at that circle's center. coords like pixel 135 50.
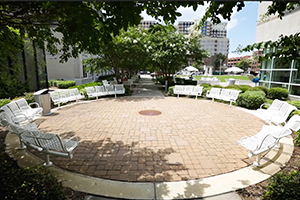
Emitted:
pixel 197 91
pixel 268 137
pixel 213 93
pixel 178 89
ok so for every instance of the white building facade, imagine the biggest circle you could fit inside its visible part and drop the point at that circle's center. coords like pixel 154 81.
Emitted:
pixel 278 74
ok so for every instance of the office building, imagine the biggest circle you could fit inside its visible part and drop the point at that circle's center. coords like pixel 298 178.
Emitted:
pixel 278 74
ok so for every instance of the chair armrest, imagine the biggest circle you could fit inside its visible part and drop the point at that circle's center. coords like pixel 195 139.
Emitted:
pixel 34 103
pixel 71 138
pixel 262 142
pixel 262 105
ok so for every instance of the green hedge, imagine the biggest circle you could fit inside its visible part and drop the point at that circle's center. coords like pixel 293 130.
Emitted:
pixel 28 183
pixel 61 84
pixel 4 102
pixel 278 93
pixel 171 91
pixel 29 97
pixel 251 99
pixel 284 185
pixel 236 87
pixel 245 88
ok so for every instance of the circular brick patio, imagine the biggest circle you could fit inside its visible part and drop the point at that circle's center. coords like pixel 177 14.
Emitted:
pixel 190 139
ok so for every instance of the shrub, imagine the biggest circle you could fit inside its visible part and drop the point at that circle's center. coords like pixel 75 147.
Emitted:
pixel 217 86
pixel 206 85
pixel 251 99
pixel 171 91
pixel 65 84
pixel 295 103
pixel 29 97
pixel 297 139
pixel 284 185
pixel 236 87
pixel 204 90
pixel 263 88
pixel 244 88
pixel 278 93
pixel 80 87
pixel 28 183
pixel 4 102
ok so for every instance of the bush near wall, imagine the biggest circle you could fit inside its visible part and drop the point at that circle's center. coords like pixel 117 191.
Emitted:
pixel 61 84
pixel 278 93
pixel 251 99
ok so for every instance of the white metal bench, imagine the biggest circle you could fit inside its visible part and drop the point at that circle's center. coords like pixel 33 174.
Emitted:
pixel 223 94
pixel 49 143
pixel 213 93
pixel 268 137
pixel 280 116
pixel 19 111
pixel 65 96
pixel 188 90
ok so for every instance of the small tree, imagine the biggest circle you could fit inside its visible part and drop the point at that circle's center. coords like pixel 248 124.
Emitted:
pixel 219 59
pixel 244 64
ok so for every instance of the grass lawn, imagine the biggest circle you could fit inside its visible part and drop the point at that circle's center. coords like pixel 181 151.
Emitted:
pixel 222 77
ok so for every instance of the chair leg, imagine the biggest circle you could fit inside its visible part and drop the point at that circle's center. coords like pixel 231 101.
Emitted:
pixel 48 162
pixel 230 103
pixel 115 95
pixel 22 146
pixel 257 162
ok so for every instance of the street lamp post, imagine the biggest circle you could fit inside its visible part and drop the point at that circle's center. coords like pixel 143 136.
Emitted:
pixel 220 70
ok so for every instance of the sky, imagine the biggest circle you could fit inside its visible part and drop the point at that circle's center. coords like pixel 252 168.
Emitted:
pixel 241 29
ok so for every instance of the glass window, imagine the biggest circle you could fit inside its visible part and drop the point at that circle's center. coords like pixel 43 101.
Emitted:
pixel 266 64
pixel 265 75
pixel 281 64
pixel 281 76
pixel 279 85
pixel 296 77
pixel 264 84
pixel 295 90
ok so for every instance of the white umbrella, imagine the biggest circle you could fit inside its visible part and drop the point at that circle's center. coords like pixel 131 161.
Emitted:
pixel 191 69
pixel 234 70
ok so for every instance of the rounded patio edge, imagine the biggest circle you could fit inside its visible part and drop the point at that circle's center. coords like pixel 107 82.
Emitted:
pixel 210 186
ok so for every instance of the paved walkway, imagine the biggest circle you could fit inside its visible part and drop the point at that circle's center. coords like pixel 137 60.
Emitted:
pixel 188 151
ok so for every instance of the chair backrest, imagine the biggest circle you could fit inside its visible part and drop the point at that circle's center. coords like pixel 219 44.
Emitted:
pixel 55 96
pixel 234 94
pixel 64 93
pixel 188 88
pixel 225 92
pixel 7 114
pixel 215 91
pixel 198 89
pixel 285 110
pixel 99 88
pixel 104 82
pixel 14 107
pixel 276 105
pixel 119 87
pixel 22 103
pixel 90 90
pixel 74 92
pixel 109 88
pixel 293 123
pixel 178 88
pixel 49 141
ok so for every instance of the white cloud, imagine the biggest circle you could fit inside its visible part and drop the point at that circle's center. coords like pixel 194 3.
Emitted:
pixel 187 14
pixel 233 20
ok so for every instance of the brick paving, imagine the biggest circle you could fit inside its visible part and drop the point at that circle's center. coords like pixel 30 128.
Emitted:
pixel 191 139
